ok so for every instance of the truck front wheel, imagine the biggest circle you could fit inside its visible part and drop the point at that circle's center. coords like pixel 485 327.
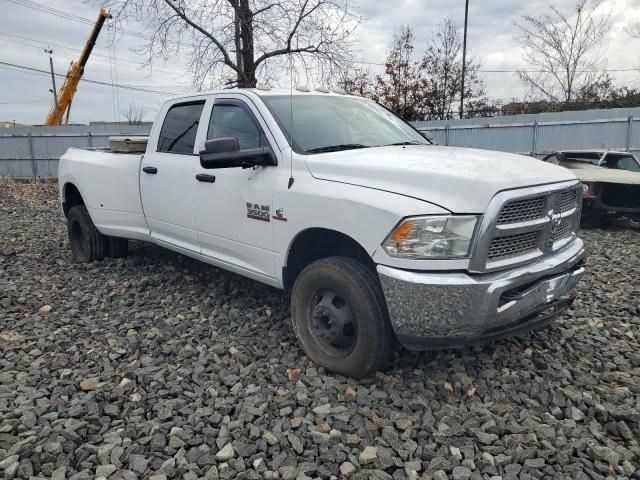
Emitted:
pixel 340 317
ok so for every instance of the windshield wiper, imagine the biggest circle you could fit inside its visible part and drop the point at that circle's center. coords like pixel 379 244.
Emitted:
pixel 337 148
pixel 412 142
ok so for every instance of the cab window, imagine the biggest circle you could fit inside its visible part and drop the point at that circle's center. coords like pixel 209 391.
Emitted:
pixel 178 133
pixel 233 121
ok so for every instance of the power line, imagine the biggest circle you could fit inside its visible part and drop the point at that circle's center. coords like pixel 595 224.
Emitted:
pixel 25 69
pixel 48 100
pixel 93 54
pixel 70 16
pixel 578 71
pixel 525 71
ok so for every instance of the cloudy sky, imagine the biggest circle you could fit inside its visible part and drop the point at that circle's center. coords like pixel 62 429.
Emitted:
pixel 27 27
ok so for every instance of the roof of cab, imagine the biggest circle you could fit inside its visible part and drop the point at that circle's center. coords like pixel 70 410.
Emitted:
pixel 263 92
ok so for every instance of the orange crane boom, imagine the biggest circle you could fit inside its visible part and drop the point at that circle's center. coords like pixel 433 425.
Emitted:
pixel 70 85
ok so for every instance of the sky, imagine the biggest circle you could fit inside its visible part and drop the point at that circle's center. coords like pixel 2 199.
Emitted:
pixel 26 29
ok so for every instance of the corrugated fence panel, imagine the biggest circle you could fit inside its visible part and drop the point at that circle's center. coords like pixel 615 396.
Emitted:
pixel 493 138
pixel 582 135
pixel 634 135
pixel 570 116
pixel 543 133
pixel 34 151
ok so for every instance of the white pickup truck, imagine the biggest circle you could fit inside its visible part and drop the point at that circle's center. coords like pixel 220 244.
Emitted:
pixel 379 236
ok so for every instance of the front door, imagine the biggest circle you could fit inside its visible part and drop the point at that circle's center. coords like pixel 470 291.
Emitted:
pixel 234 213
pixel 168 176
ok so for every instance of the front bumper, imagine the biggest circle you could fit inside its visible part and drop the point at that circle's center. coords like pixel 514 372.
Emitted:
pixel 444 310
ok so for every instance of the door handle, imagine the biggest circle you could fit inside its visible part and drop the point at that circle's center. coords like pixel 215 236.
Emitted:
pixel 152 170
pixel 203 177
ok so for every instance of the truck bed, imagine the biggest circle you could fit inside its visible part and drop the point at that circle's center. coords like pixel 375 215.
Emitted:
pixel 110 187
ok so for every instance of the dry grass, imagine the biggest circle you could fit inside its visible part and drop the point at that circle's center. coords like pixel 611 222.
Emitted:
pixel 33 193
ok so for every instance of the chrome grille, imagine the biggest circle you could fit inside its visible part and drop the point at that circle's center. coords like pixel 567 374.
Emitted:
pixel 563 231
pixel 522 210
pixel 527 224
pixel 568 200
pixel 512 245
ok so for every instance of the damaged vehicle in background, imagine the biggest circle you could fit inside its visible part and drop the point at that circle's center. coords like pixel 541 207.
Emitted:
pixel 610 179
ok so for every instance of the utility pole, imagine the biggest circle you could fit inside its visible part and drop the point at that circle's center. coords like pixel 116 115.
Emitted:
pixel 53 77
pixel 464 57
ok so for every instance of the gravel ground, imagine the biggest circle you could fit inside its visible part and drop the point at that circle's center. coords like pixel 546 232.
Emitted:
pixel 158 367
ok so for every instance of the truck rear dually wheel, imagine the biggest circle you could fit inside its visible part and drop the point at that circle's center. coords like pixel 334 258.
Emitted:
pixel 340 317
pixel 87 243
pixel 117 247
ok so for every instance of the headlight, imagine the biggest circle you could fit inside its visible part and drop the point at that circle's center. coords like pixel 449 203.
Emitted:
pixel 431 237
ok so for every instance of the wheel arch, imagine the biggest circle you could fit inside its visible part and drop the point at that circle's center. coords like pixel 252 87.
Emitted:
pixel 316 243
pixel 71 197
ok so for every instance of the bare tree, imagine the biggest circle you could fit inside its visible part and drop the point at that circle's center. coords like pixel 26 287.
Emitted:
pixel 634 30
pixel 400 87
pixel 563 51
pixel 357 81
pixel 442 75
pixel 250 39
pixel 134 114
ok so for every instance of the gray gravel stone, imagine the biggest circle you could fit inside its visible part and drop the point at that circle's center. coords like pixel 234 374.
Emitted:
pixel 186 360
pixel 105 470
pixel 347 469
pixel 226 453
pixel 605 454
pixel 368 455
pixel 440 475
pixel 461 473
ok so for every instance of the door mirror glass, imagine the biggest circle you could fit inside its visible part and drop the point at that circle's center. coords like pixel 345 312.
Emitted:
pixel 221 145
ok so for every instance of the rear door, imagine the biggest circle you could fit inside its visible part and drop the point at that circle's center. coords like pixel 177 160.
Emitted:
pixel 168 176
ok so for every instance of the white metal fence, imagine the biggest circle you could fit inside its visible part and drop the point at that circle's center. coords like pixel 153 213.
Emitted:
pixel 34 151
pixel 543 133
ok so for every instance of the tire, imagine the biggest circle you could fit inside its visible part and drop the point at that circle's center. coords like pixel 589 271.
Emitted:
pixel 340 317
pixel 117 247
pixel 86 242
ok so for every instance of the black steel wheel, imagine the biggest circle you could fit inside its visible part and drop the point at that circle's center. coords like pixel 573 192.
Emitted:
pixel 333 324
pixel 340 317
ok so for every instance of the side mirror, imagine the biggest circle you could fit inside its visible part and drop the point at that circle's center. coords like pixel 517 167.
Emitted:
pixel 226 153
pixel 221 145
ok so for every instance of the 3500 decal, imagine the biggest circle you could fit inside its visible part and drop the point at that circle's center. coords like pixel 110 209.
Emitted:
pixel 258 212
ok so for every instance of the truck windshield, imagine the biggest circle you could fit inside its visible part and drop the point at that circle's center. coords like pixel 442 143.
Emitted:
pixel 327 123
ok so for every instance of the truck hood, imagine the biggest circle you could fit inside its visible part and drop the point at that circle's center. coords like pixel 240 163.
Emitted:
pixel 588 172
pixel 461 180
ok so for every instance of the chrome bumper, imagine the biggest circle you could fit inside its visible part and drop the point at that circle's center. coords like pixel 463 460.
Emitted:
pixel 443 310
